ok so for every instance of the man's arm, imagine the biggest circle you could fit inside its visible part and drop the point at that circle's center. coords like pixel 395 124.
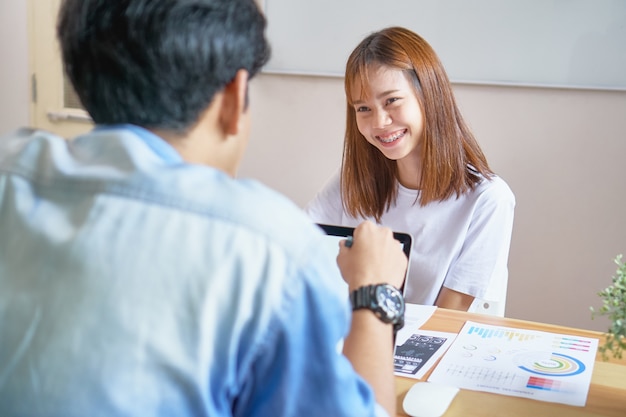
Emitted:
pixel 375 257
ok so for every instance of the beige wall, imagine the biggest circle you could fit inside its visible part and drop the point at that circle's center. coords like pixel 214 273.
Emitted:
pixel 14 88
pixel 561 151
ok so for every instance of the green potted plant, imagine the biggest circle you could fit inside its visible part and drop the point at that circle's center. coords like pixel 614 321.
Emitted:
pixel 614 307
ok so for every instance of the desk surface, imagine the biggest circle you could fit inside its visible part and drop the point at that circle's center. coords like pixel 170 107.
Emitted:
pixel 607 393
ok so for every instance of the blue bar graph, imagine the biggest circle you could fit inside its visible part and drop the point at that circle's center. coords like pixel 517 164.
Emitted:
pixel 500 334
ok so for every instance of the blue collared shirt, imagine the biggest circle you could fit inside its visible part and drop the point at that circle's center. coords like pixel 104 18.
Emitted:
pixel 135 284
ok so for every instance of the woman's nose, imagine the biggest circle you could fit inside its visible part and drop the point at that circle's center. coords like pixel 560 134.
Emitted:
pixel 382 119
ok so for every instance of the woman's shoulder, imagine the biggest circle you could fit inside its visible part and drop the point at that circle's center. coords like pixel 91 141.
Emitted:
pixel 494 187
pixel 326 205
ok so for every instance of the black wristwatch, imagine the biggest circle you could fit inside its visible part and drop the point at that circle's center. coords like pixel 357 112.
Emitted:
pixel 384 300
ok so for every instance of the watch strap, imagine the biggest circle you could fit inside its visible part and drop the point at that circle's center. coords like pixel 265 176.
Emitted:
pixel 362 297
pixel 365 297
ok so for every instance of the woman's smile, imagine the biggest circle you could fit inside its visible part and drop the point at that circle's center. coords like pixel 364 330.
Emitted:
pixel 388 139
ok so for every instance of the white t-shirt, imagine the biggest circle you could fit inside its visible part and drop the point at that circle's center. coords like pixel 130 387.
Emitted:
pixel 461 243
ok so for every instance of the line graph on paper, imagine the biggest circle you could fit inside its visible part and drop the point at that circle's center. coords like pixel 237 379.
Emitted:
pixel 524 363
pixel 485 375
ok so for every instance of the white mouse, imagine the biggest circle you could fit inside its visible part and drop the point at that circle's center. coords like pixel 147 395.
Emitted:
pixel 427 399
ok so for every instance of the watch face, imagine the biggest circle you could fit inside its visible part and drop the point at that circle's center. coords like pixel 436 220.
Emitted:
pixel 390 301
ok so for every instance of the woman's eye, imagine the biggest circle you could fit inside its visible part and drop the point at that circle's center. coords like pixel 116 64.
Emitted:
pixel 361 109
pixel 392 100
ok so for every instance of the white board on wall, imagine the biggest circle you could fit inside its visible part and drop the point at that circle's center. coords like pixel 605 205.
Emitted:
pixel 551 43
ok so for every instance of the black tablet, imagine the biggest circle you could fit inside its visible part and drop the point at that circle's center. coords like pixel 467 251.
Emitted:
pixel 345 232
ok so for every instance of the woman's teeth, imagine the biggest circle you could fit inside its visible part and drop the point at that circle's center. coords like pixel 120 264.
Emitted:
pixel 389 139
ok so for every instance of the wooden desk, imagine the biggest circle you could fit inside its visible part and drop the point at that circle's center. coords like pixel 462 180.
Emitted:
pixel 607 393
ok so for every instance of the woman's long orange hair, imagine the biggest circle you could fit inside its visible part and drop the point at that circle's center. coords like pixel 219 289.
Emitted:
pixel 453 162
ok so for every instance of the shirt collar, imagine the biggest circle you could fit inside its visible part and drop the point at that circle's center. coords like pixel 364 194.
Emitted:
pixel 158 145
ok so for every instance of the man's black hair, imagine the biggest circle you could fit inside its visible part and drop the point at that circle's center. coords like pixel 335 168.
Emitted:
pixel 157 63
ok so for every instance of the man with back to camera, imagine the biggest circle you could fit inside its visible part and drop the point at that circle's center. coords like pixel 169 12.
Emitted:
pixel 139 278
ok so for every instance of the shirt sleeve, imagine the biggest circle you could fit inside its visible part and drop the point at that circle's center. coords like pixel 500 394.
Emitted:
pixel 482 263
pixel 301 370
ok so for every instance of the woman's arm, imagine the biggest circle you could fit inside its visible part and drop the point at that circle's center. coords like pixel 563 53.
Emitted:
pixel 453 300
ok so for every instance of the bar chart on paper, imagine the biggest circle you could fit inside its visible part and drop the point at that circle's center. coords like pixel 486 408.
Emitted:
pixel 524 363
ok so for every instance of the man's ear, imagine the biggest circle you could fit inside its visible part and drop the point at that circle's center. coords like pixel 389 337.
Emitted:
pixel 234 103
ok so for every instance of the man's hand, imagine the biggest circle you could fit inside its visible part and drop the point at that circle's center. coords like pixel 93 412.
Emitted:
pixel 374 257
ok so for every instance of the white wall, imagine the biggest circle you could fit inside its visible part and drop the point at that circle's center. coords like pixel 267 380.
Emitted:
pixel 14 89
pixel 561 151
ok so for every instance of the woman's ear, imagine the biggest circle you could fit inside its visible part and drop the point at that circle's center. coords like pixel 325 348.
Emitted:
pixel 233 104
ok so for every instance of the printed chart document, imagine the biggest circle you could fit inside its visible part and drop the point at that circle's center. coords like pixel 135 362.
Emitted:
pixel 418 350
pixel 523 363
